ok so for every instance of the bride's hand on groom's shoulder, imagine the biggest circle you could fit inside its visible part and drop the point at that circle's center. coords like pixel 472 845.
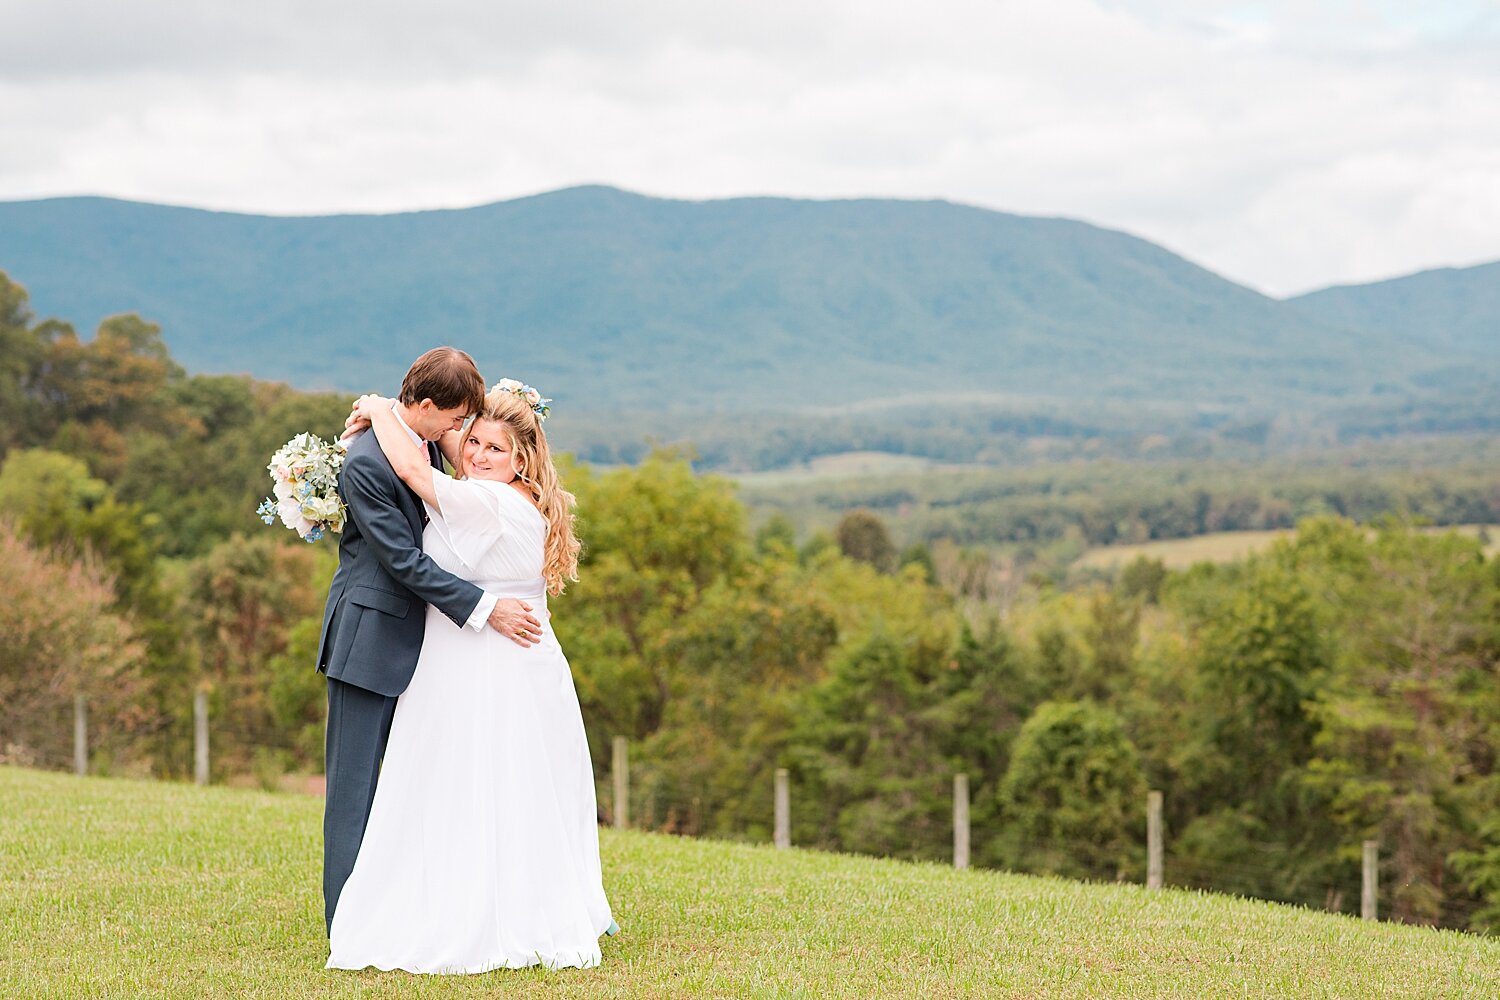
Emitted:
pixel 359 413
pixel 362 407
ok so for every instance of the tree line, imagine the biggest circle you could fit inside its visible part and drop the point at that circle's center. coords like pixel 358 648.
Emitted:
pixel 1057 510
pixel 1339 687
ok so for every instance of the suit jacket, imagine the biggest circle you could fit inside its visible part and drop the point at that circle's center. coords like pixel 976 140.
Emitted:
pixel 376 612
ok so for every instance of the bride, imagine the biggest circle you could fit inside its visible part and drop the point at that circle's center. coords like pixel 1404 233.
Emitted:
pixel 482 849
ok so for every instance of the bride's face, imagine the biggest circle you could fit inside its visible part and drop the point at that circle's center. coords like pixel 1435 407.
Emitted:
pixel 487 452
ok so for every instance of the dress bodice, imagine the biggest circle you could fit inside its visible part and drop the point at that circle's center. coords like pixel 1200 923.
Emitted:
pixel 487 533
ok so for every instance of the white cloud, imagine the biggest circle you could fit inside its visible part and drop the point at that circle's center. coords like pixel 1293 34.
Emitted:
pixel 1284 144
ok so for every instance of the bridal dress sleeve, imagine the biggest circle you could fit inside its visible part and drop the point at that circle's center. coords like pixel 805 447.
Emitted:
pixel 471 519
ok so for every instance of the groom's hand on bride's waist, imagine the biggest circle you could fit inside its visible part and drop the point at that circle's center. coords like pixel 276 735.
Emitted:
pixel 514 620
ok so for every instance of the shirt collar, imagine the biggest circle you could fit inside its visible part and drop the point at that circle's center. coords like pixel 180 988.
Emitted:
pixel 416 438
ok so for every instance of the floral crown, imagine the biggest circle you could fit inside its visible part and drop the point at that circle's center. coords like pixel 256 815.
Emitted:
pixel 535 399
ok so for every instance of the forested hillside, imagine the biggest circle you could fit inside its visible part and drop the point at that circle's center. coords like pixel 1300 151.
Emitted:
pixel 621 302
pixel 1450 309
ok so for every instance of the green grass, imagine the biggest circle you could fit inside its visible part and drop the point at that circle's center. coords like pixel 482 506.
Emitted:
pixel 115 888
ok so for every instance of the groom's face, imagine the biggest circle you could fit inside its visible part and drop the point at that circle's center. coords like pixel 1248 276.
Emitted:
pixel 432 423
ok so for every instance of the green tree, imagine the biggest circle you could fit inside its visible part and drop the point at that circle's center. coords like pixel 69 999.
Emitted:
pixel 241 600
pixel 1110 635
pixel 777 534
pixel 1142 578
pixel 60 635
pixel 55 501
pixel 1264 659
pixel 1407 719
pixel 981 698
pixel 862 535
pixel 919 555
pixel 107 386
pixel 297 694
pixel 655 538
pixel 23 348
pixel 738 661
pixel 871 775
pixel 1073 796
pixel 1479 868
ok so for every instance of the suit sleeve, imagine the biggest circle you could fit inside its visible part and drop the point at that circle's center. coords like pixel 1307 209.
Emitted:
pixel 369 492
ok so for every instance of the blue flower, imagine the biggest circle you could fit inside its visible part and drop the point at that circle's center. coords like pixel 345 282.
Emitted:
pixel 267 510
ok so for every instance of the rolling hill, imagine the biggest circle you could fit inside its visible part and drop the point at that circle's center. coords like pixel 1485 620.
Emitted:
pixel 1450 309
pixel 612 300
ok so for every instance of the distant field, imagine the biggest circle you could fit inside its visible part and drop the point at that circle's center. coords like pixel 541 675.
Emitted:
pixel 844 465
pixel 115 888
pixel 1059 507
pixel 1227 546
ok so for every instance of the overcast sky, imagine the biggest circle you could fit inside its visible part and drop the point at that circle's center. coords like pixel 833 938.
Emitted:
pixel 1287 145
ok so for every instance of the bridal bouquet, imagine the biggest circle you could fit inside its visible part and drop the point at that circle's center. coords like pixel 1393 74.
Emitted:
pixel 306 474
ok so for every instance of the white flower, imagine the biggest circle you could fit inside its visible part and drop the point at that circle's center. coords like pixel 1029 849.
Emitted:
pixel 509 385
pixel 291 515
pixel 322 508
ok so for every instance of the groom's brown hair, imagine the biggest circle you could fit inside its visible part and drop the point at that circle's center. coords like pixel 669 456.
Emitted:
pixel 448 377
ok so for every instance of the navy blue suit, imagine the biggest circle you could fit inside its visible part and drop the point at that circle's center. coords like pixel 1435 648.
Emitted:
pixel 372 635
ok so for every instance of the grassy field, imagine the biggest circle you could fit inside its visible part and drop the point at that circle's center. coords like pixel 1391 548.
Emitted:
pixel 841 466
pixel 1180 553
pixel 115 888
pixel 1227 546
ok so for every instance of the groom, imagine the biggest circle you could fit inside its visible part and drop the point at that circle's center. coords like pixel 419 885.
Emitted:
pixel 373 624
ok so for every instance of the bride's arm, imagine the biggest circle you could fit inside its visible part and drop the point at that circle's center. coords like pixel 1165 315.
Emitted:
pixel 410 462
pixel 452 445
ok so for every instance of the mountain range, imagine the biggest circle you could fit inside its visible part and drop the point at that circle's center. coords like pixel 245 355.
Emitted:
pixel 608 299
pixel 1448 310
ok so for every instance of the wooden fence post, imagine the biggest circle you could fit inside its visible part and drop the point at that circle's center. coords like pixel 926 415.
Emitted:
pixel 1370 881
pixel 620 765
pixel 80 735
pixel 1153 841
pixel 200 737
pixel 960 821
pixel 783 835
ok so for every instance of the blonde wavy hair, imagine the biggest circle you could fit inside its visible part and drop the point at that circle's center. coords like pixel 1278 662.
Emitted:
pixel 532 460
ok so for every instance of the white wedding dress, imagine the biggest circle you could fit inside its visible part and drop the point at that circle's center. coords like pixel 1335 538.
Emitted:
pixel 482 850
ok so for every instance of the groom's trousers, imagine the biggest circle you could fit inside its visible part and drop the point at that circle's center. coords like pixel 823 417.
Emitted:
pixel 359 723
